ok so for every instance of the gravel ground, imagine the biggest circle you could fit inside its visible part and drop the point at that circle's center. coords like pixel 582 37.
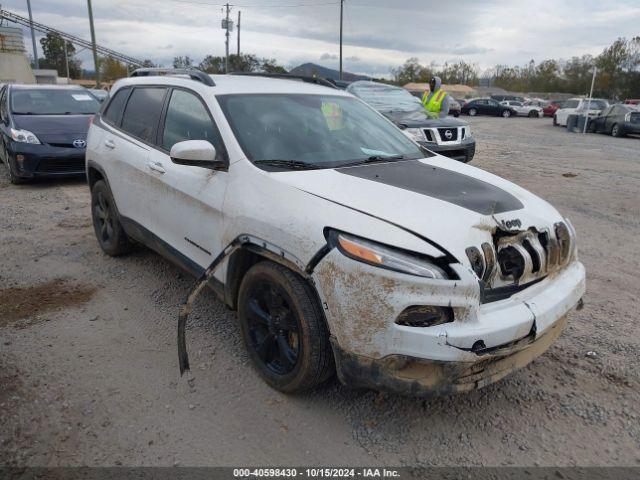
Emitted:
pixel 89 375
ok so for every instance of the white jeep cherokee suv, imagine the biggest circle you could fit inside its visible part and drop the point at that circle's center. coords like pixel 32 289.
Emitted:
pixel 358 251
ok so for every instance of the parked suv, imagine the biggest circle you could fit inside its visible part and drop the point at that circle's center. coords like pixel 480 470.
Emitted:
pixel 43 130
pixel 344 246
pixel 446 136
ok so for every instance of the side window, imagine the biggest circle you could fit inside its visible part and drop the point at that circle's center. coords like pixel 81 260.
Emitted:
pixel 116 106
pixel 188 119
pixel 143 111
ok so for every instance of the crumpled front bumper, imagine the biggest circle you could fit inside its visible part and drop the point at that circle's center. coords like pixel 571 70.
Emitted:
pixel 425 378
pixel 362 304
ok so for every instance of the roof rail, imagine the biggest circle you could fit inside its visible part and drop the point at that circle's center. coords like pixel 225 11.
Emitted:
pixel 194 74
pixel 287 76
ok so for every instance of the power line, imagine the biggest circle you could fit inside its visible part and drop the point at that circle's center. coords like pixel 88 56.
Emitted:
pixel 193 2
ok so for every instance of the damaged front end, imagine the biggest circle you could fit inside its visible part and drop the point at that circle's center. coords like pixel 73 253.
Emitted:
pixel 467 327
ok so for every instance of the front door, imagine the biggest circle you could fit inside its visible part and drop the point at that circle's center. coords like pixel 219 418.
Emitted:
pixel 190 202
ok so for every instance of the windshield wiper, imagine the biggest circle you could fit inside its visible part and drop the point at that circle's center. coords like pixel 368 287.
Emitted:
pixel 374 159
pixel 290 164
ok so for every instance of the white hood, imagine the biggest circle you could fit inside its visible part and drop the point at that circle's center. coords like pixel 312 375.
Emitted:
pixel 451 204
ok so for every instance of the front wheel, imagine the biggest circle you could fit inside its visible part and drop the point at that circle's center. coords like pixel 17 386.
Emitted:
pixel 506 113
pixel 473 112
pixel 555 121
pixel 13 178
pixel 283 328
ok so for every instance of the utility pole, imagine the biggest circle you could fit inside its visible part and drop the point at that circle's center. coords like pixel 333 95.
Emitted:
pixel 226 62
pixel 341 14
pixel 238 34
pixel 66 60
pixel 593 81
pixel 33 37
pixel 93 43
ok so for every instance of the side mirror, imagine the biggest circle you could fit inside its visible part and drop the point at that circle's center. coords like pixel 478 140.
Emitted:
pixel 196 153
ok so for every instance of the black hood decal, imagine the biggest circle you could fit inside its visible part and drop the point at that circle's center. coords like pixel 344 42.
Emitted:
pixel 440 183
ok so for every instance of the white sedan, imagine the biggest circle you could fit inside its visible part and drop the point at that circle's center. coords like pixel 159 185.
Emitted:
pixel 522 109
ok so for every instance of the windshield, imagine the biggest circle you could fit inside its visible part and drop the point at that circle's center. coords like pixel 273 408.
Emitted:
pixel 571 104
pixel 594 104
pixel 318 130
pixel 385 98
pixel 53 102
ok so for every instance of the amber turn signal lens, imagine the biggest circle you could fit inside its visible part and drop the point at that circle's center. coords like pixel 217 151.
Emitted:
pixel 359 251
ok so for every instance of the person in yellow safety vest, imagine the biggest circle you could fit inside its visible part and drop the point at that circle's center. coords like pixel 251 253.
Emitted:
pixel 437 101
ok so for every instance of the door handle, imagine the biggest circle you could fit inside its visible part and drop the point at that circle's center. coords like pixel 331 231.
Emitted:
pixel 157 167
pixel 109 144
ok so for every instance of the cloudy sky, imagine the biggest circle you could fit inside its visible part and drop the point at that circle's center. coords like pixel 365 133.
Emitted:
pixel 378 34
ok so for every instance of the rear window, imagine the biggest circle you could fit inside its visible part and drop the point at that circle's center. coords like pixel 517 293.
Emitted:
pixel 49 101
pixel 143 112
pixel 116 106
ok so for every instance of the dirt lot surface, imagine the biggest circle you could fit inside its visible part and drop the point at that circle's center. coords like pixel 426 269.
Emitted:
pixel 88 363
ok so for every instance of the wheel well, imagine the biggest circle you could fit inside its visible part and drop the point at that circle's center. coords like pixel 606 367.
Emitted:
pixel 239 264
pixel 242 260
pixel 93 175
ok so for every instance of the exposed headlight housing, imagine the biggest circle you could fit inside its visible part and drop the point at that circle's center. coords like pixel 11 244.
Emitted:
pixel 384 256
pixel 415 134
pixel 24 136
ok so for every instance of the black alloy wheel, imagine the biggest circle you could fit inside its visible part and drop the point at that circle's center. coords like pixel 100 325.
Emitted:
pixel 273 327
pixel 106 223
pixel 283 328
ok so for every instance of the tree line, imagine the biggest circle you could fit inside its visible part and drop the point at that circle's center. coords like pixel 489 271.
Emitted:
pixel 53 49
pixel 618 73
pixel 618 67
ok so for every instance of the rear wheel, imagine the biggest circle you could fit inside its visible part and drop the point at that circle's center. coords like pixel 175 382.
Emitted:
pixel 533 114
pixel 283 328
pixel 106 222
pixel 616 131
pixel 473 112
pixel 506 113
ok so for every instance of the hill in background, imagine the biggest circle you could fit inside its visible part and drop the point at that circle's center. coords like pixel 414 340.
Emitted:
pixel 311 69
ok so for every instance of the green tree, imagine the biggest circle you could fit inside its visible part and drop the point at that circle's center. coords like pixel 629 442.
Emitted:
pixel 53 49
pixel 270 65
pixel 182 62
pixel 111 69
pixel 411 72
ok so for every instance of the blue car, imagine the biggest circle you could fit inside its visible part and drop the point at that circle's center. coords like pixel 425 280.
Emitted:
pixel 43 130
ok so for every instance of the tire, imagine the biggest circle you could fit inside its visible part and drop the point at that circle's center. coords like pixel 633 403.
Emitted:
pixel 456 115
pixel 616 131
pixel 15 180
pixel 555 121
pixel 506 113
pixel 294 355
pixel 473 112
pixel 106 222
pixel 533 114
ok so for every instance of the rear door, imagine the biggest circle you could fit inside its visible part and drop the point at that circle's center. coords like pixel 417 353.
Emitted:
pixel 189 199
pixel 129 144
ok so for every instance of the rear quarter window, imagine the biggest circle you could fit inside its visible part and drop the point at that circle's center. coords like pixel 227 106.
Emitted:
pixel 142 113
pixel 114 109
